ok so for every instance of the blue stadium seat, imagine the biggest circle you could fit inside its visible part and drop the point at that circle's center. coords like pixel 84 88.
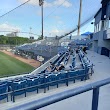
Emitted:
pixel 18 89
pixel 32 82
pixel 72 75
pixel 81 74
pixel 50 78
pixel 3 82
pixel 3 90
pixel 62 76
pixel 41 80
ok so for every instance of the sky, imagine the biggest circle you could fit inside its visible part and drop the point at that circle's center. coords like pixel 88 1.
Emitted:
pixel 60 16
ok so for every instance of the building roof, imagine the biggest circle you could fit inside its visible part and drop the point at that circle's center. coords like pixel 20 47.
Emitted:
pixel 86 34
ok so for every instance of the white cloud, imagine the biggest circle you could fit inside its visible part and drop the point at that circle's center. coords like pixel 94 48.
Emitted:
pixel 8 27
pixel 49 4
pixel 56 31
pixel 63 2
pixel 46 4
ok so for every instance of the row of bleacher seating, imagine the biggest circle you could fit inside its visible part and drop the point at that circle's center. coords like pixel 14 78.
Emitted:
pixel 32 51
pixel 60 55
pixel 60 60
pixel 18 86
pixel 57 61
pixel 39 47
pixel 66 58
pixel 34 82
pixel 85 62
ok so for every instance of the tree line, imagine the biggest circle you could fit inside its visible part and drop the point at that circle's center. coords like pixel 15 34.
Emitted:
pixel 5 40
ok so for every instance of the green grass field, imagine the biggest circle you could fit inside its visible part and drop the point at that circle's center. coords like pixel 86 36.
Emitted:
pixel 11 66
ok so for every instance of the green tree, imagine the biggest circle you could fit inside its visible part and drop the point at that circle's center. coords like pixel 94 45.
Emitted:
pixel 13 40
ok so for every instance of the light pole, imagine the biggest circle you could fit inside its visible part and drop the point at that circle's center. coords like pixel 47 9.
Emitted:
pixel 41 2
pixel 30 32
pixel 79 21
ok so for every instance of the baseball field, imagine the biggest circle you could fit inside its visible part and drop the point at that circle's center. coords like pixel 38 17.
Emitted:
pixel 11 66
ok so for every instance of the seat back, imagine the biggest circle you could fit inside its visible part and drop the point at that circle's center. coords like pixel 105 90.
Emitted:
pixel 72 75
pixel 81 74
pixel 50 78
pixel 18 86
pixel 3 89
pixel 41 80
pixel 31 83
pixel 61 76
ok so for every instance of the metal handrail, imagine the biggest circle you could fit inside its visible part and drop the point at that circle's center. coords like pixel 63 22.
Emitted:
pixel 64 95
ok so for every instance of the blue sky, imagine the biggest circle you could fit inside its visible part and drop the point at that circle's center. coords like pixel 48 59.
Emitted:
pixel 60 16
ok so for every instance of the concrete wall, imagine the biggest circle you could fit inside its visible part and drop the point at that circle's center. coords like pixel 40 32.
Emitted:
pixel 102 42
pixel 96 36
pixel 100 38
pixel 108 34
pixel 95 46
pixel 98 17
pixel 99 50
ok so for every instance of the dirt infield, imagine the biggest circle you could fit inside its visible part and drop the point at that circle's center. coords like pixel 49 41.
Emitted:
pixel 31 62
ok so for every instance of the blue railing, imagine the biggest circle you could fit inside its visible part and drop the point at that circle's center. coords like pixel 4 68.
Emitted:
pixel 66 94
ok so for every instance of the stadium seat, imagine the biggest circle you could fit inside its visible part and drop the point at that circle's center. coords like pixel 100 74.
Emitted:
pixel 62 76
pixel 81 74
pixel 3 90
pixel 32 82
pixel 41 81
pixel 50 78
pixel 3 82
pixel 18 88
pixel 72 75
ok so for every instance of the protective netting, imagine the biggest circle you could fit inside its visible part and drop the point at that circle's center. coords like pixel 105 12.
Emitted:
pixel 60 16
